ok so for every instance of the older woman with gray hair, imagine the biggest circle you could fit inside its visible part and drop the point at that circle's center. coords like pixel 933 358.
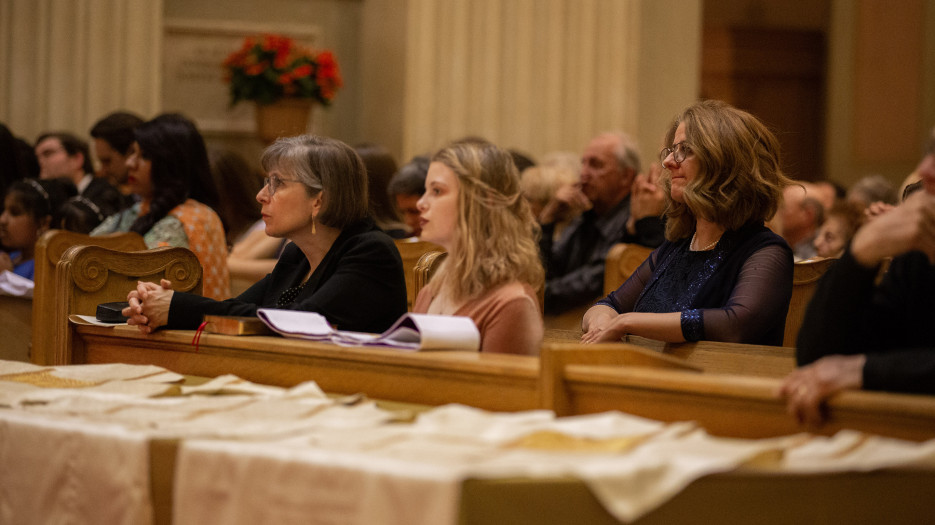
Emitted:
pixel 315 195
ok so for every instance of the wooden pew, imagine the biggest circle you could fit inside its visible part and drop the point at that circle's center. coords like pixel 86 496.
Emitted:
pixel 724 404
pixel 805 276
pixel 622 260
pixel 87 276
pixel 49 249
pixel 710 356
pixel 711 383
pixel 424 269
pixel 489 381
pixel 411 252
pixel 16 326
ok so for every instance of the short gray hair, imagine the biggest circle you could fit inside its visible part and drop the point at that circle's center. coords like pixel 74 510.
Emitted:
pixel 324 164
pixel 626 152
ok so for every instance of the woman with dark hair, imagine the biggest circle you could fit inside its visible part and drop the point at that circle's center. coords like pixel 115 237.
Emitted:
pixel 168 170
pixel 380 169
pixel 721 275
pixel 338 263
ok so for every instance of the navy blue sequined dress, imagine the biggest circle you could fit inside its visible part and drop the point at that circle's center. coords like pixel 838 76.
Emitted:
pixel 737 292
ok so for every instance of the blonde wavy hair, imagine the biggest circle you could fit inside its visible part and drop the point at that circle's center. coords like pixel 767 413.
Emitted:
pixel 739 178
pixel 496 238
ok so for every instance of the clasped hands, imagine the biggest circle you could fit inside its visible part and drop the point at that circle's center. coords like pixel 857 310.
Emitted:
pixel 149 305
pixel 605 327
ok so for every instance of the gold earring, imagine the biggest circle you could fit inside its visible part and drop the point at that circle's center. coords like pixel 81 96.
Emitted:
pixel 313 226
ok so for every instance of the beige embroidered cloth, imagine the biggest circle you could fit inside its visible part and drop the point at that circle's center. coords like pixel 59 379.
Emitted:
pixel 75 445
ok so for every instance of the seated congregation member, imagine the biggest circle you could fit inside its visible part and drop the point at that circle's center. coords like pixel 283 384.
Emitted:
pixel 857 334
pixel 380 169
pixel 65 155
pixel 406 188
pixel 338 264
pixel 113 136
pixel 621 207
pixel 721 275
pixel 539 185
pixel 80 215
pixel 167 168
pixel 29 208
pixel 473 208
pixel 841 222
pixel 237 184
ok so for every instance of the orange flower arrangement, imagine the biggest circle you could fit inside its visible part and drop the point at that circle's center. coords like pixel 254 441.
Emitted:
pixel 270 67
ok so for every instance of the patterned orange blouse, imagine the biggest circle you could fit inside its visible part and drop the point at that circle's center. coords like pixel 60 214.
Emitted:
pixel 206 238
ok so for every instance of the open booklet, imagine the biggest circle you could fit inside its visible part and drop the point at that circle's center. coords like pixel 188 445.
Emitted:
pixel 409 332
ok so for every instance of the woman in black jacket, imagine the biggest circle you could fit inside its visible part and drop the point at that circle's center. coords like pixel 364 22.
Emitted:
pixel 338 263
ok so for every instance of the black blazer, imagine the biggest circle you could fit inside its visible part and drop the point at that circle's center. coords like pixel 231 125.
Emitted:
pixel 358 286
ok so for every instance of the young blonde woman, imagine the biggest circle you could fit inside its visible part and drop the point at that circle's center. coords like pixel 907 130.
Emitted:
pixel 473 208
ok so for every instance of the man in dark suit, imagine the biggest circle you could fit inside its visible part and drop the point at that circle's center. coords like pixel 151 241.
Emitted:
pixel 610 172
pixel 64 155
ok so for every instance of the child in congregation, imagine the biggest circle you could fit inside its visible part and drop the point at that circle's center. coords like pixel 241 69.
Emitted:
pixel 473 208
pixel 80 215
pixel 29 208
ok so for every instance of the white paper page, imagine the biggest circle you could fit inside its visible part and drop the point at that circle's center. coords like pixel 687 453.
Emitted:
pixel 420 332
pixel 293 323
pixel 90 319
pixel 445 332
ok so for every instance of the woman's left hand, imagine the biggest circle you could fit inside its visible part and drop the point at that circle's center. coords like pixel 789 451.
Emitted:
pixel 806 389
pixel 611 331
pixel 149 305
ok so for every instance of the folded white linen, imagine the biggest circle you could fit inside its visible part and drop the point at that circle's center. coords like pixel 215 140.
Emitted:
pixel 69 471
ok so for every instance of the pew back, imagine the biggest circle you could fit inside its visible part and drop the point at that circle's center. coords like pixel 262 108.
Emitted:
pixel 411 252
pixel 87 276
pixel 425 268
pixel 622 260
pixel 805 276
pixel 49 249
pixel 15 325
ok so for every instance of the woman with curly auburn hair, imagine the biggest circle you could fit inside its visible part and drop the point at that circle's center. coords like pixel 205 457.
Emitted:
pixel 721 275
pixel 473 208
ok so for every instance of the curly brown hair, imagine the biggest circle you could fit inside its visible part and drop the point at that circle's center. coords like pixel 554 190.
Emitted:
pixel 739 179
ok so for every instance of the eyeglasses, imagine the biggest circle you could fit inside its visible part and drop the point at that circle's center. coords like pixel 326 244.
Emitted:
pixel 678 151
pixel 273 182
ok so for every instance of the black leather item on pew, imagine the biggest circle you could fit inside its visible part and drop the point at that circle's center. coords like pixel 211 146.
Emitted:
pixel 112 312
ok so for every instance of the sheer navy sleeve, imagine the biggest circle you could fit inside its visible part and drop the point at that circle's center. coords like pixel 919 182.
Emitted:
pixel 623 299
pixel 756 300
pixel 756 305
